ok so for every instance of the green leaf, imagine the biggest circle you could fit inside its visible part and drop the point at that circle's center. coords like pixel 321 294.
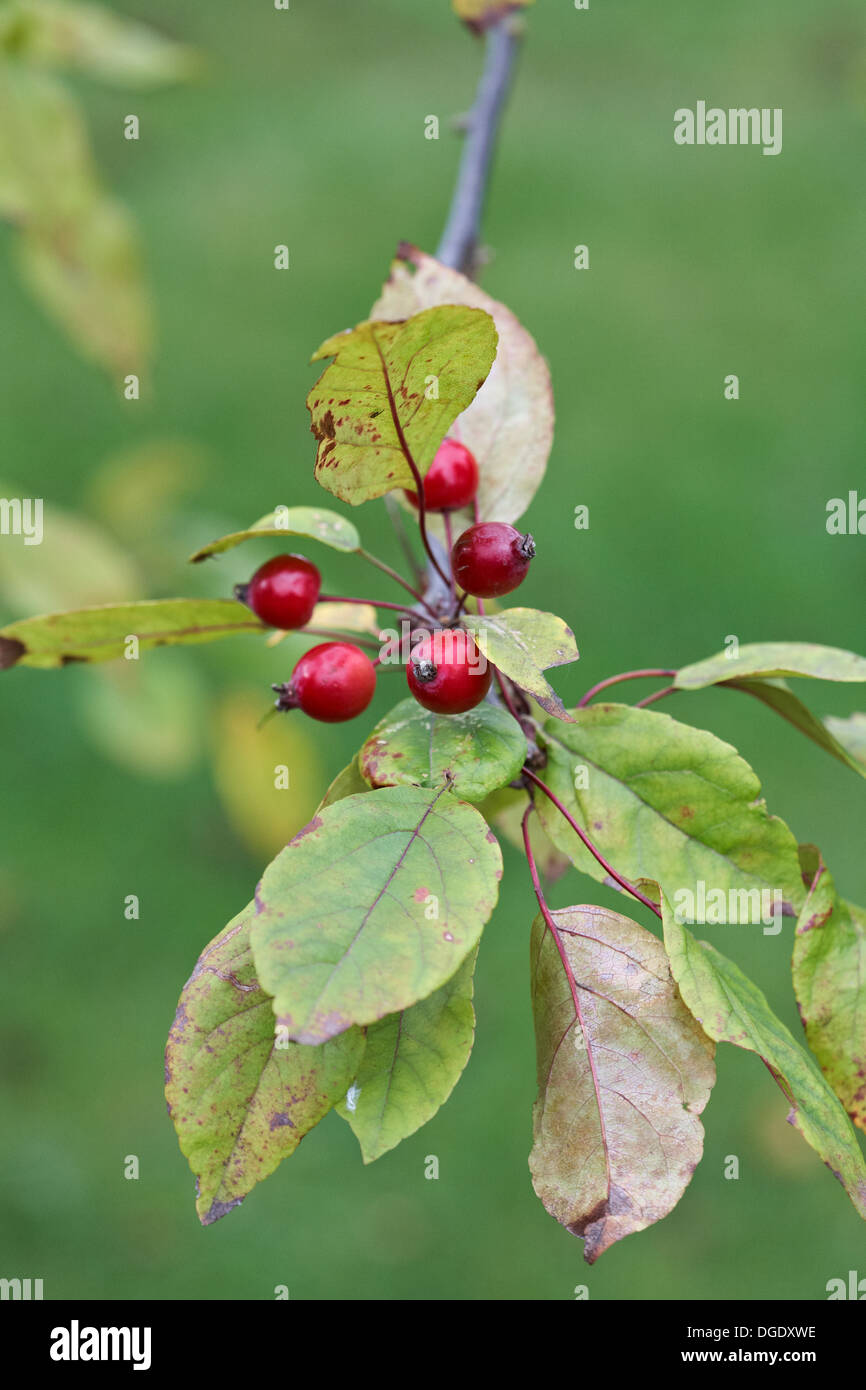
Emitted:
pixel 372 907
pixel 509 425
pixel 662 800
pixel 240 1098
pixel 328 527
pixel 779 697
pixel 349 782
pixel 731 1008
pixel 381 386
pixel 829 967
pixel 774 659
pixel 523 642
pixel 623 1073
pixel 474 753
pixel 411 1064
pixel 102 633
pixel 94 40
pixel 851 734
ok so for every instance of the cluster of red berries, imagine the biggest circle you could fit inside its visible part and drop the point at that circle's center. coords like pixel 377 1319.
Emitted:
pixel 446 673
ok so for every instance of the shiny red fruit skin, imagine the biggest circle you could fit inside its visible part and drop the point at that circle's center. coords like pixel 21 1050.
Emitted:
pixel 284 592
pixel 333 682
pixel 451 480
pixel 491 559
pixel 462 678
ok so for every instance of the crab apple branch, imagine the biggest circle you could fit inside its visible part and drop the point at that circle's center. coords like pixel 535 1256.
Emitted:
pixel 645 674
pixel 459 243
pixel 584 838
pixel 547 915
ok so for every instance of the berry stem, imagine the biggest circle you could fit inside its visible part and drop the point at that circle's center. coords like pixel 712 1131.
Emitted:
pixel 506 698
pixel 375 603
pixel 625 676
pixel 396 518
pixel 584 838
pixel 449 542
pixel 397 577
pixel 356 637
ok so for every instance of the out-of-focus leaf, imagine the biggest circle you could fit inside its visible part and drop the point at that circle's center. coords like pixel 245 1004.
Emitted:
pixel 101 633
pixel 252 765
pixel 138 488
pixel 509 425
pixel 94 40
pixel 328 527
pixel 46 170
pixel 76 563
pixel 474 753
pixel 146 717
pixel 731 1008
pixel 411 1064
pixel 392 379
pixel 662 800
pixel 774 659
pixel 851 734
pixel 523 642
pixel 87 275
pixel 623 1073
pixel 829 967
pixel 240 1099
pixel 371 907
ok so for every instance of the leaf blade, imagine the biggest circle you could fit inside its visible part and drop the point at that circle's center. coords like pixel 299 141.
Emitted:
pixel 411 1064
pixel 239 1103
pixel 475 752
pixel 375 401
pixel 317 523
pixel 615 1043
pixel 100 633
pixel 522 643
pixel 390 857
pixel 731 1008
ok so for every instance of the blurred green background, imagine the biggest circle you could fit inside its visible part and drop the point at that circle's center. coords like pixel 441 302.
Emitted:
pixel 707 519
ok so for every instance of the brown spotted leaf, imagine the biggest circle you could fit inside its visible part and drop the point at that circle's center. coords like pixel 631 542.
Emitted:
pixel 372 907
pixel 240 1096
pixel 624 1071
pixel 509 425
pixel 393 389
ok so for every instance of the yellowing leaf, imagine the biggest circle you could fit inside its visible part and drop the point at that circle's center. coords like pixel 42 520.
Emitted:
pixel 509 425
pixel 394 387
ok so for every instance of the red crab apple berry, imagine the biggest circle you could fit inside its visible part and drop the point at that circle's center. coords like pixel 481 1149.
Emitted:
pixel 446 672
pixel 491 558
pixel 331 682
pixel 451 480
pixel 283 592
